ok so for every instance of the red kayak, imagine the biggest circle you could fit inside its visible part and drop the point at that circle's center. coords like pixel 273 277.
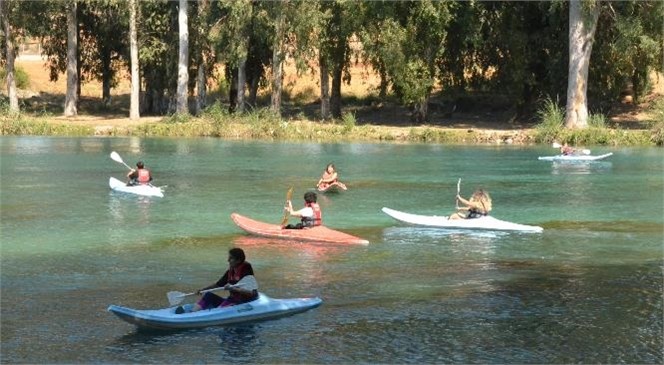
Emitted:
pixel 335 187
pixel 317 234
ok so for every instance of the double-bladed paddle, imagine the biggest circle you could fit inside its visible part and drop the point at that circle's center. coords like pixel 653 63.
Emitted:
pixel 248 282
pixel 116 157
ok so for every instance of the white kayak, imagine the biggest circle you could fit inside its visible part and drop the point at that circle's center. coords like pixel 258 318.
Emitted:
pixel 575 157
pixel 260 309
pixel 487 222
pixel 145 190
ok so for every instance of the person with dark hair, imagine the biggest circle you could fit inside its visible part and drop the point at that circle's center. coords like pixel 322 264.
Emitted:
pixel 310 215
pixel 239 280
pixel 139 176
pixel 330 177
pixel 477 206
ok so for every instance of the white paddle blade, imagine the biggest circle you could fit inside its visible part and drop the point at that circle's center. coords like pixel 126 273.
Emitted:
pixel 586 152
pixel 175 297
pixel 556 145
pixel 248 282
pixel 116 157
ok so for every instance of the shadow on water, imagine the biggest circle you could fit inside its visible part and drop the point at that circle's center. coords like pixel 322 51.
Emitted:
pixel 225 343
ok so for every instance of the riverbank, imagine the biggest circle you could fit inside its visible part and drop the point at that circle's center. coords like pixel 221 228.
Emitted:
pixel 472 120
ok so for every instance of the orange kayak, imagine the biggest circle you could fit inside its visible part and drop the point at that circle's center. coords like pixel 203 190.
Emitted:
pixel 317 234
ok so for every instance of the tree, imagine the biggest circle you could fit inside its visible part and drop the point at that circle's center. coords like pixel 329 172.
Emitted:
pixel 183 59
pixel 583 15
pixel 71 97
pixel 10 50
pixel 134 110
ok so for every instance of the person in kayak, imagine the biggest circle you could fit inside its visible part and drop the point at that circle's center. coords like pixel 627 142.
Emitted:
pixel 238 270
pixel 567 150
pixel 479 205
pixel 139 176
pixel 310 215
pixel 329 177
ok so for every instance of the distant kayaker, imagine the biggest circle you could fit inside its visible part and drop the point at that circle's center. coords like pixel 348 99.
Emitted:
pixel 567 150
pixel 139 176
pixel 479 205
pixel 310 215
pixel 238 269
pixel 330 177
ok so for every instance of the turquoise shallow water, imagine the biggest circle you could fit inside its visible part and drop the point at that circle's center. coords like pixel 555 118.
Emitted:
pixel 587 289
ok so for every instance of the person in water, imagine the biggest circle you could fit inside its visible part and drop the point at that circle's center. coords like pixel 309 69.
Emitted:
pixel 479 205
pixel 139 176
pixel 238 269
pixel 310 215
pixel 330 177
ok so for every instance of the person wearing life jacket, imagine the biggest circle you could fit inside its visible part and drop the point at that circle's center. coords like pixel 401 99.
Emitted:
pixel 238 280
pixel 479 205
pixel 329 177
pixel 310 215
pixel 139 176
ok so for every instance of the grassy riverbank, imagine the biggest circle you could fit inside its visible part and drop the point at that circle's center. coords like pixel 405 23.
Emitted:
pixel 215 122
pixel 480 119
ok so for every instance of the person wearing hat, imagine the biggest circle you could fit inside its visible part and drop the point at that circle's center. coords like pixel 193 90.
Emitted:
pixel 139 176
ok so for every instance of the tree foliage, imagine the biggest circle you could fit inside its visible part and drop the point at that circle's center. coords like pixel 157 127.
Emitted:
pixel 518 50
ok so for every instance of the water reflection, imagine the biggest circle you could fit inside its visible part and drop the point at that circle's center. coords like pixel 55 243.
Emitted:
pixel 580 167
pixel 127 211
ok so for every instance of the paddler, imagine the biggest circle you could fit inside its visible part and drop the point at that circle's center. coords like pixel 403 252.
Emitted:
pixel 479 205
pixel 238 269
pixel 310 215
pixel 139 176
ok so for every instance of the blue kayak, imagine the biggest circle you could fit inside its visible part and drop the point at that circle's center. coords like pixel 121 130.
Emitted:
pixel 260 309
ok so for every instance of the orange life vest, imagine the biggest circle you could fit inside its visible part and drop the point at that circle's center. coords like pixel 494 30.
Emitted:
pixel 143 176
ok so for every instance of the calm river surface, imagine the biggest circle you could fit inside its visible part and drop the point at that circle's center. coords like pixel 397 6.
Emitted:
pixel 586 290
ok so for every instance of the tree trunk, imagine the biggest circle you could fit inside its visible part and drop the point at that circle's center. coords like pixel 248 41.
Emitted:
pixel 324 89
pixel 582 25
pixel 134 109
pixel 183 59
pixel 277 66
pixel 106 81
pixel 232 92
pixel 11 56
pixel 201 75
pixel 241 84
pixel 71 97
pixel 335 98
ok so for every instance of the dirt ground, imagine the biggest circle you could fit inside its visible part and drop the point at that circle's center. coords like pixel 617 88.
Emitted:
pixel 44 95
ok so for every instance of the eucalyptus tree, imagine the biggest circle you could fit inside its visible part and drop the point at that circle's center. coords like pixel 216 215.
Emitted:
pixel 134 101
pixel 295 27
pixel 158 53
pixel 629 46
pixel 183 58
pixel 104 42
pixel 204 55
pixel 7 11
pixel 71 96
pixel 583 15
pixel 340 19
pixel 231 36
pixel 410 44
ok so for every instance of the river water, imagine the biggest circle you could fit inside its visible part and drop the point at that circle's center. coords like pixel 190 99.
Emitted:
pixel 586 290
